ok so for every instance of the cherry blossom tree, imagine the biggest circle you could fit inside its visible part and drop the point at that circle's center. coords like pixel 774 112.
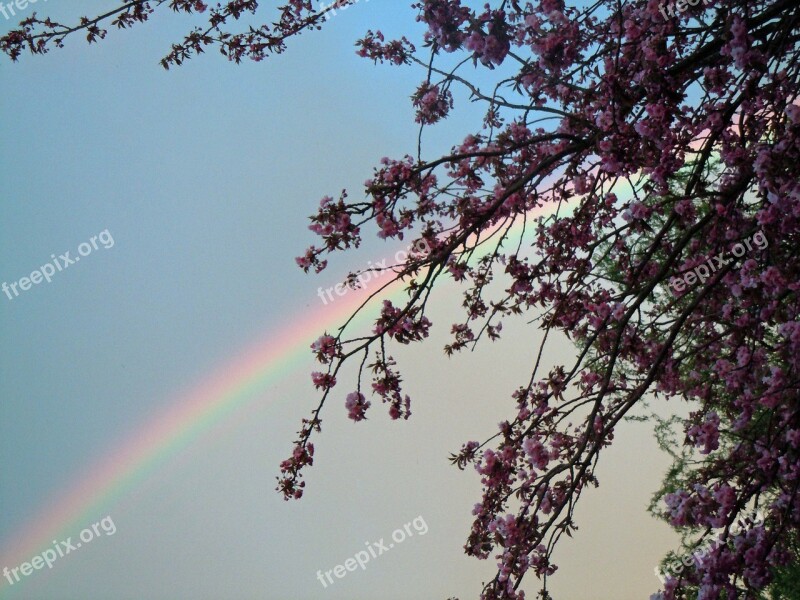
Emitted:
pixel 672 132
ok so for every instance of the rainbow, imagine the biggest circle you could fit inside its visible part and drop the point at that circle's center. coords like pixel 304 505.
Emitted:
pixel 187 417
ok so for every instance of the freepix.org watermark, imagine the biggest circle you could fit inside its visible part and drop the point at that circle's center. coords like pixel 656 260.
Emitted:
pixel 331 7
pixel 64 261
pixel 362 557
pixel 674 569
pixel 703 271
pixel 7 8
pixel 59 550
pixel 373 271
pixel 670 9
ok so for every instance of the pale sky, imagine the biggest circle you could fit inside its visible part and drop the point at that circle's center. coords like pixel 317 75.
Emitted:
pixel 205 176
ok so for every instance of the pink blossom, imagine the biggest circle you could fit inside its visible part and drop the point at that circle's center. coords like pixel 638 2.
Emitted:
pixel 356 406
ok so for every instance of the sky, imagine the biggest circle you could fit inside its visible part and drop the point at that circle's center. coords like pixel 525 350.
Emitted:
pixel 185 194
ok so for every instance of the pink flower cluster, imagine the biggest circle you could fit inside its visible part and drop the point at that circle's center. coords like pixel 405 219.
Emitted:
pixel 432 103
pixel 356 406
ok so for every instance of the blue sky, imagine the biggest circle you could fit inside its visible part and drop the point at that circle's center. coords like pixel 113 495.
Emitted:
pixel 205 176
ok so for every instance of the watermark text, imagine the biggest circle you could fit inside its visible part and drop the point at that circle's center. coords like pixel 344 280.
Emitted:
pixel 362 557
pixel 59 550
pixel 64 261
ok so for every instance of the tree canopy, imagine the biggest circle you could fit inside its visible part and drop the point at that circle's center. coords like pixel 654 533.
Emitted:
pixel 683 289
